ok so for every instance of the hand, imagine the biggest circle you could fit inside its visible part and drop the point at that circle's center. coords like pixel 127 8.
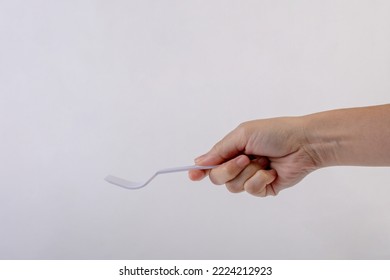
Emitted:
pixel 261 157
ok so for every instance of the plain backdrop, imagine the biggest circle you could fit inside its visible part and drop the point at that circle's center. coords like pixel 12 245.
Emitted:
pixel 91 88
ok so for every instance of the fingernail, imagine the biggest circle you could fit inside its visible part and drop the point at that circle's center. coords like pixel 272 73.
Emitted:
pixel 242 161
pixel 200 159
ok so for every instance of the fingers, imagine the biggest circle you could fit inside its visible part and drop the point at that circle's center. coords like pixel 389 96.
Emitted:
pixel 229 170
pixel 242 174
pixel 225 150
pixel 197 175
pixel 229 147
pixel 223 173
pixel 260 184
pixel 254 179
pixel 237 171
pixel 237 184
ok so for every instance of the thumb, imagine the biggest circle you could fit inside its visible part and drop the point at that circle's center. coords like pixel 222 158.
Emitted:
pixel 229 147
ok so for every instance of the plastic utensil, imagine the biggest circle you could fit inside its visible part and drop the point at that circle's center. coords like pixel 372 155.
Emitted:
pixel 138 185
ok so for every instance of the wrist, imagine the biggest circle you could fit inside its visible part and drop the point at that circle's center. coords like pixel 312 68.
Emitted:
pixel 322 139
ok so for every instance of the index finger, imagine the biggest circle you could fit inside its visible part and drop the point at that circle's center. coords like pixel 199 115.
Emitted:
pixel 229 147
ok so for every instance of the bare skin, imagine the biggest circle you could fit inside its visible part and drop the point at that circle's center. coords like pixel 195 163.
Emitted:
pixel 263 157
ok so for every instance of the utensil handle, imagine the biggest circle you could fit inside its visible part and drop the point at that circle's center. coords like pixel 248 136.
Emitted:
pixel 185 168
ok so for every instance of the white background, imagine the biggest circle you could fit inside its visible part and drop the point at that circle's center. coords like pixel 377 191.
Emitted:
pixel 90 88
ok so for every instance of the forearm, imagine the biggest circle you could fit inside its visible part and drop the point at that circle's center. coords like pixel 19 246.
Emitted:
pixel 357 136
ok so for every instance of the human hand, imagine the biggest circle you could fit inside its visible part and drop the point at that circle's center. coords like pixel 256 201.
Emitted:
pixel 261 157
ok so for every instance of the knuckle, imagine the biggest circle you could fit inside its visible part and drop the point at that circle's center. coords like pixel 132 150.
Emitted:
pixel 242 129
pixel 255 185
pixel 229 169
pixel 243 125
pixel 251 187
pixel 215 179
pixel 234 187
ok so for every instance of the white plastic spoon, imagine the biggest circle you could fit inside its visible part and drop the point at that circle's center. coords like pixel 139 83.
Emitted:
pixel 137 185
